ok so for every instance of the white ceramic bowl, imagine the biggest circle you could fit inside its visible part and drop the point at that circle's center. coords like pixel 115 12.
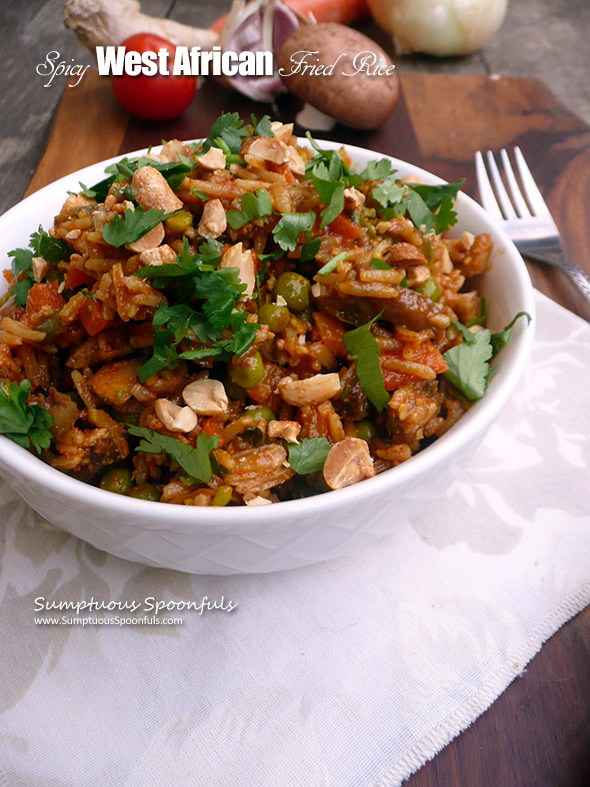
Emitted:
pixel 290 534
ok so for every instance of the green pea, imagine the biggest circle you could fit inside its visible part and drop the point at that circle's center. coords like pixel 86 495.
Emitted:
pixel 117 479
pixel 295 289
pixel 145 492
pixel 247 371
pixel 222 496
pixel 262 411
pixel 276 317
pixel 431 288
pixel 366 430
pixel 234 391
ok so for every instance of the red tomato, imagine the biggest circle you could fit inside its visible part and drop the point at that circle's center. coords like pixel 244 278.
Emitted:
pixel 157 97
pixel 41 295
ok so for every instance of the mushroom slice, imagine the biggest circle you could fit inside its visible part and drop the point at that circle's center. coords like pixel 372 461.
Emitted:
pixel 287 430
pixel 295 163
pixel 311 390
pixel 150 188
pixel 213 221
pixel 347 462
pixel 175 418
pixel 150 240
pixel 213 159
pixel 162 255
pixel 235 257
pixel 206 397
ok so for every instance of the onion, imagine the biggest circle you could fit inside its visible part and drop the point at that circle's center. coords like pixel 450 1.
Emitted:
pixel 261 25
pixel 439 27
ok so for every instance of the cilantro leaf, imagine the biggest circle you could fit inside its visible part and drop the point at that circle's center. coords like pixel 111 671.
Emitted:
pixel 331 264
pixel 440 200
pixel 289 228
pixel 262 127
pixel 363 347
pixel 23 423
pixel 310 249
pixel 229 130
pixel 501 338
pixel 41 244
pixel 164 355
pixel 377 170
pixel 309 455
pixel 379 265
pixel 210 251
pixel 194 461
pixel 99 191
pixel 331 192
pixel 468 363
pixel 253 207
pixel 132 225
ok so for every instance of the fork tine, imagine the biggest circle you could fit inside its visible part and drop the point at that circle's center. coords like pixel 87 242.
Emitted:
pixel 531 189
pixel 503 198
pixel 486 193
pixel 517 198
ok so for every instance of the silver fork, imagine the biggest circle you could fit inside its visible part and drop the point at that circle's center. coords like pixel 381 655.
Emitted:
pixel 527 222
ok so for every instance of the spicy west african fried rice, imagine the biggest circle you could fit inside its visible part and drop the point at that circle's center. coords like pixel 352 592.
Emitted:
pixel 241 321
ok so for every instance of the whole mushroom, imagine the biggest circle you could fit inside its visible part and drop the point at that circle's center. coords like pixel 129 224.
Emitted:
pixel 341 73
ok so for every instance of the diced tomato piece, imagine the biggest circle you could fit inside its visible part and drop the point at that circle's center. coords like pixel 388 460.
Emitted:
pixel 426 353
pixel 211 426
pixel 331 331
pixel 93 319
pixel 76 277
pixel 343 226
pixel 46 294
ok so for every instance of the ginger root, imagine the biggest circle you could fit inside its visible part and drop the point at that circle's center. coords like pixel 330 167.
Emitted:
pixel 104 23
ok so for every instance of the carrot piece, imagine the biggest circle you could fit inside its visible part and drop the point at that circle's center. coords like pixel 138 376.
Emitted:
pixel 46 294
pixel 343 226
pixel 76 277
pixel 211 426
pixel 425 353
pixel 93 319
pixel 331 331
pixel 346 12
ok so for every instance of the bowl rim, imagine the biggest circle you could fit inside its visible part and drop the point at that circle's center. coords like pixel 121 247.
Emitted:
pixel 477 419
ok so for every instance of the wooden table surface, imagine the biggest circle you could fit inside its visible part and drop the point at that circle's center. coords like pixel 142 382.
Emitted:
pixel 537 734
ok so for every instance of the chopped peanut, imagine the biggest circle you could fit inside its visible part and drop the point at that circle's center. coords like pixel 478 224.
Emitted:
pixel 40 267
pixel 213 221
pixel 162 255
pixel 311 390
pixel 150 188
pixel 288 430
pixel 150 240
pixel 417 275
pixel 234 257
pixel 175 418
pixel 348 462
pixel 257 501
pixel 206 397
pixel 213 159
pixel 265 148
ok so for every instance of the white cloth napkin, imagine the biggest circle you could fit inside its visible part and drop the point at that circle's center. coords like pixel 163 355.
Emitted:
pixel 348 673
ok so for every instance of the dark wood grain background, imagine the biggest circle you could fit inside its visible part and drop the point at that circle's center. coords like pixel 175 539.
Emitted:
pixel 537 734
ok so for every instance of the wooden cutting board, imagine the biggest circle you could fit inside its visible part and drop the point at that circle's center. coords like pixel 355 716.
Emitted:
pixel 438 124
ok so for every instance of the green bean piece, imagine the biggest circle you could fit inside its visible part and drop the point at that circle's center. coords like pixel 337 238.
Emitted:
pixel 295 289
pixel 222 496
pixel 117 479
pixel 431 288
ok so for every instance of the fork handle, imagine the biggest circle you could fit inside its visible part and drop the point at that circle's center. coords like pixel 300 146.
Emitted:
pixel 575 274
pixel 579 277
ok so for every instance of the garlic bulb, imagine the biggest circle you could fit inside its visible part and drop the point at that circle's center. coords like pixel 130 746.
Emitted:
pixel 439 27
pixel 261 25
